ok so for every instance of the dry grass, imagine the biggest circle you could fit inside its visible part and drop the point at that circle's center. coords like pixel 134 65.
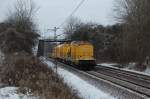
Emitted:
pixel 28 72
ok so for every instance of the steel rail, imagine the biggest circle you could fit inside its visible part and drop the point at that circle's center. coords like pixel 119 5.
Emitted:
pixel 115 76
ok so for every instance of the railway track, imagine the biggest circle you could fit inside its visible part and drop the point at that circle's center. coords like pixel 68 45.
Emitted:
pixel 134 82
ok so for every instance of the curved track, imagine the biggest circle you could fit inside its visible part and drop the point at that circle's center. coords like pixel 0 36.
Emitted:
pixel 134 81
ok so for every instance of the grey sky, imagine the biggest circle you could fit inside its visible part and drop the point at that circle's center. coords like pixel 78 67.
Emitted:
pixel 53 12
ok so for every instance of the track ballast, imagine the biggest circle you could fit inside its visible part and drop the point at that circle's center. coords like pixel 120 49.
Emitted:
pixel 136 82
pixel 132 81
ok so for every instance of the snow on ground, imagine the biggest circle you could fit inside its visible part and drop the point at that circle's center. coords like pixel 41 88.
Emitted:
pixel 35 50
pixel 147 71
pixel 84 89
pixel 1 57
pixel 108 64
pixel 11 93
pixel 112 65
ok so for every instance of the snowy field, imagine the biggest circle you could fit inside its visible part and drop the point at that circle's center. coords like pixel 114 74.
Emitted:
pixel 84 89
pixel 11 93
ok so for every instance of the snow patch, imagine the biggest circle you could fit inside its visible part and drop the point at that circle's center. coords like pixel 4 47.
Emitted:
pixel 131 65
pixel 108 64
pixel 84 89
pixel 11 93
pixel 35 50
pixel 1 57
pixel 147 71
pixel 128 68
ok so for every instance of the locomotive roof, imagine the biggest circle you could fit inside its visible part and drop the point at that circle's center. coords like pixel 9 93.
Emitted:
pixel 80 42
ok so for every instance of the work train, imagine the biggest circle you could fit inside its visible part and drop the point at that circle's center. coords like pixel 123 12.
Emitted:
pixel 76 53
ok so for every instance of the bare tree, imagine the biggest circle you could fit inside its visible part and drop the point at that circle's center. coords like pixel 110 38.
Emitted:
pixel 71 26
pixel 22 18
pixel 19 31
pixel 135 16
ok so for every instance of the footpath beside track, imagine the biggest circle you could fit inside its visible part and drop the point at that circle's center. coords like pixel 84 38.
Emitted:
pixel 134 83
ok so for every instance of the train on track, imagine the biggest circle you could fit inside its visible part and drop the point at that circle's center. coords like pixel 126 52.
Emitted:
pixel 76 53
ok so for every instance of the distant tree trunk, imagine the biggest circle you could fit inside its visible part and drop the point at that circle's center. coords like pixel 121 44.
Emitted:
pixel 136 17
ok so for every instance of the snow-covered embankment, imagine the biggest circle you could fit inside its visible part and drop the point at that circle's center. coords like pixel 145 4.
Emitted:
pixel 83 88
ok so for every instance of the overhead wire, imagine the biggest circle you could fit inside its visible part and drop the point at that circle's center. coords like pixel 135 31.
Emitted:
pixel 74 11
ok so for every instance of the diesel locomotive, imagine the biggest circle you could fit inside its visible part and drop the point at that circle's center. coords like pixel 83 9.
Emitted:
pixel 76 53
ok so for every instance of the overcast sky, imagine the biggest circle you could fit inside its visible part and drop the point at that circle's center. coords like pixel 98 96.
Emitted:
pixel 53 12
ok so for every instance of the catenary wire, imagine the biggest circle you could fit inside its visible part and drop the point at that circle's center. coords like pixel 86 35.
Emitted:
pixel 74 11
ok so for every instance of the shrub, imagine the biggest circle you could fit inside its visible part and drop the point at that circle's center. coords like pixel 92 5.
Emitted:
pixel 12 41
pixel 28 72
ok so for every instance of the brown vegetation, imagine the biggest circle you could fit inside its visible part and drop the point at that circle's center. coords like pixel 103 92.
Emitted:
pixel 18 36
pixel 32 75
pixel 17 41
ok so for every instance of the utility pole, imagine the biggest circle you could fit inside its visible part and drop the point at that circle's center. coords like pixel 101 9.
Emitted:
pixel 55 38
pixel 55 32
pixel 55 29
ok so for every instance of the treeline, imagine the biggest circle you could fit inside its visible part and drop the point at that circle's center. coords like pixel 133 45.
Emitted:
pixel 126 41
pixel 102 37
pixel 136 31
